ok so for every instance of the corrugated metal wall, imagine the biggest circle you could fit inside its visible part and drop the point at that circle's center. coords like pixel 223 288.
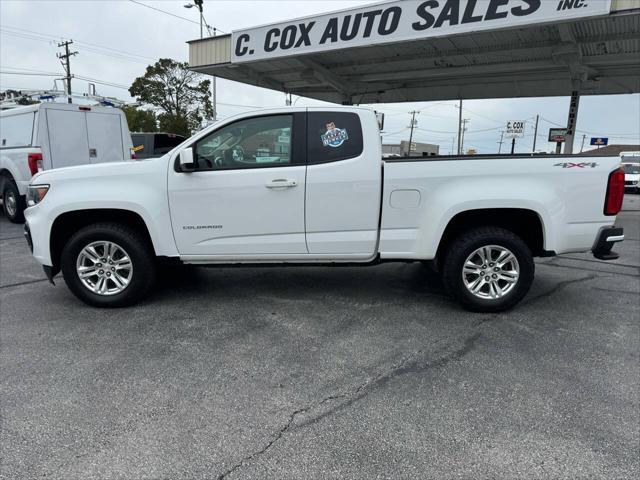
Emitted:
pixel 618 5
pixel 212 51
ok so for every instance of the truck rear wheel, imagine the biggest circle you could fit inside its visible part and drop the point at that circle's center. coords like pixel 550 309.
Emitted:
pixel 488 269
pixel 108 265
pixel 13 203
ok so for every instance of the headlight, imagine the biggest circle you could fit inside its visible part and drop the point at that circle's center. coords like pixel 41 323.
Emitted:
pixel 36 193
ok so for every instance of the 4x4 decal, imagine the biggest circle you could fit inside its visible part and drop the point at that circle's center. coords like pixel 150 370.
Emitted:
pixel 576 165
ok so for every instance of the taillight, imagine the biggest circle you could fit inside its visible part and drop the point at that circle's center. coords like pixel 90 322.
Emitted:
pixel 133 155
pixel 35 162
pixel 615 193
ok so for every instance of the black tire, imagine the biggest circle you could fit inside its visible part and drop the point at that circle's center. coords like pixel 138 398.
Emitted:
pixel 11 196
pixel 136 246
pixel 467 243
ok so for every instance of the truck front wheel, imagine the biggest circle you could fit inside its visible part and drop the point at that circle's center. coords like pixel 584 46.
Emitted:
pixel 108 265
pixel 488 269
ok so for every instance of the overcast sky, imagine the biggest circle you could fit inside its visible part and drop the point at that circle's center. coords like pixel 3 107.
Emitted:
pixel 116 40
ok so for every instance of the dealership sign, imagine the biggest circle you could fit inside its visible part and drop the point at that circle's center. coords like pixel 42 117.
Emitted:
pixel 599 141
pixel 400 21
pixel 515 129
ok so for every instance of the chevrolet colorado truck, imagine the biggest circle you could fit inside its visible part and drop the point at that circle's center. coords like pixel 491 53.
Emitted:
pixel 309 186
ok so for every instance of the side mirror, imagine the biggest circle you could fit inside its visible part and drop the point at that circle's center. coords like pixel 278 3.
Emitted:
pixel 186 160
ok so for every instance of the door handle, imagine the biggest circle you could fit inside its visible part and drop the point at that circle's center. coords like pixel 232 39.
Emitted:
pixel 282 183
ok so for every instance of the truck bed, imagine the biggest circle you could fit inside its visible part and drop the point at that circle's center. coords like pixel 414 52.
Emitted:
pixel 422 194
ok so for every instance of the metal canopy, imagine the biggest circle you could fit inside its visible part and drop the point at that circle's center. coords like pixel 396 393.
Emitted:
pixel 596 55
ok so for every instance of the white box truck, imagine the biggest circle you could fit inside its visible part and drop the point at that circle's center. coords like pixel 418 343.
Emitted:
pixel 54 135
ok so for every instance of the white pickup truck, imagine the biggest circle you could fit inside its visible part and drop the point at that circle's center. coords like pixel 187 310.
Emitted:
pixel 308 186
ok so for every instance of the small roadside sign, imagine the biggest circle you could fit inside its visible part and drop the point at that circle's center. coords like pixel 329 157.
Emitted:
pixel 557 135
pixel 600 141
pixel 515 129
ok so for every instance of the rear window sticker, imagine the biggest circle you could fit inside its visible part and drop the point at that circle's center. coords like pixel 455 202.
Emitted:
pixel 334 137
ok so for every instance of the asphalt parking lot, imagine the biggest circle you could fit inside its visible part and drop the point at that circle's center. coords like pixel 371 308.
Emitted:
pixel 323 373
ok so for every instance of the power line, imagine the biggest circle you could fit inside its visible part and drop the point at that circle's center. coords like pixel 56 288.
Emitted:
pixel 101 82
pixel 172 14
pixel 632 135
pixel 28 69
pixel 84 46
pixel 58 37
pixel 4 72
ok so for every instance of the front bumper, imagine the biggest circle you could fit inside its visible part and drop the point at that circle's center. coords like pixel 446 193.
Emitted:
pixel 604 243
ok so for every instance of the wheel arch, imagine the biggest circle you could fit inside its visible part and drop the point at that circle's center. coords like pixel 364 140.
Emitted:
pixel 68 223
pixel 525 223
pixel 5 176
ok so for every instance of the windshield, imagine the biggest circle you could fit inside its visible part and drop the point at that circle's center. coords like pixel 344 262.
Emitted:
pixel 632 168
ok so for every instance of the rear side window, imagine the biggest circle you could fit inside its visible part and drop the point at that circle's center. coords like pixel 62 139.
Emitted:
pixel 333 136
pixel 16 130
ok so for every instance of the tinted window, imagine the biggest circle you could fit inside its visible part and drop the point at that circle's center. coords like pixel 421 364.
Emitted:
pixel 140 145
pixel 16 130
pixel 166 141
pixel 250 143
pixel 333 136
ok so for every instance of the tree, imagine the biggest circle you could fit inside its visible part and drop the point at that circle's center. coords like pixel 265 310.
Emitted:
pixel 140 120
pixel 181 94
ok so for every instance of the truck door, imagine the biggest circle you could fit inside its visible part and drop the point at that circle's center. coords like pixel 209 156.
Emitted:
pixel 246 196
pixel 67 138
pixel 104 131
pixel 343 184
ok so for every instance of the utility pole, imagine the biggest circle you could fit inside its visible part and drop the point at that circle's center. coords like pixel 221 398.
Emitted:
pixel 501 142
pixel 535 134
pixel 464 129
pixel 413 124
pixel 198 4
pixel 460 128
pixel 65 59
pixel 214 89
pixel 583 139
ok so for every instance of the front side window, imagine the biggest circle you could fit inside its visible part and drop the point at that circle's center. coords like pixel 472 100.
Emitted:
pixel 250 143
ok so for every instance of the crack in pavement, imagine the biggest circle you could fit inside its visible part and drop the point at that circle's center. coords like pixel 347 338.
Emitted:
pixel 613 264
pixel 404 367
pixel 555 265
pixel 27 282
pixel 558 287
